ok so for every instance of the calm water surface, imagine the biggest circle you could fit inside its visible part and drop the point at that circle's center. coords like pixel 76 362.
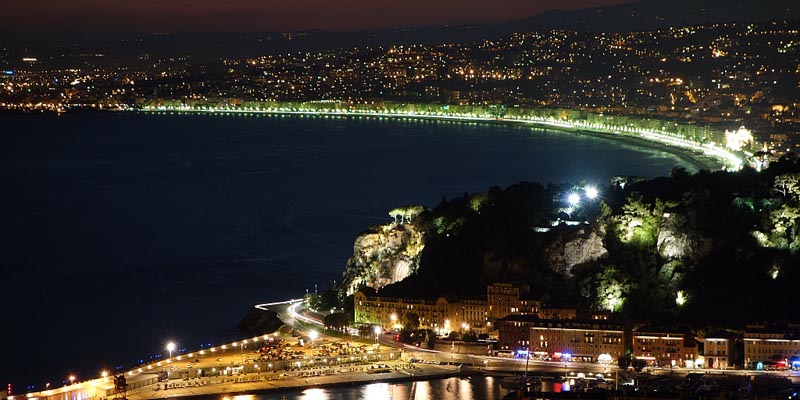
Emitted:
pixel 120 232
pixel 477 388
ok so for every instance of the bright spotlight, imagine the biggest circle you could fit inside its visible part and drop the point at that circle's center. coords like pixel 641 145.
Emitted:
pixel 573 199
pixel 591 192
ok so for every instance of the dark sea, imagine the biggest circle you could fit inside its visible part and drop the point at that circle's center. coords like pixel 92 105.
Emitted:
pixel 122 231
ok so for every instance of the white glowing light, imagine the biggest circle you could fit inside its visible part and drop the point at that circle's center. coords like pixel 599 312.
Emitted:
pixel 573 199
pixel 681 298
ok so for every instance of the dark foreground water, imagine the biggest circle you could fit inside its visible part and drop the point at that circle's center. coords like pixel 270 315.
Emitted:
pixel 119 232
pixel 476 388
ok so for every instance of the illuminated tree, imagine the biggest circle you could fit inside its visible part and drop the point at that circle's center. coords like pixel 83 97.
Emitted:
pixel 609 289
pixel 788 184
pixel 406 214
pixel 784 222
pixel 640 222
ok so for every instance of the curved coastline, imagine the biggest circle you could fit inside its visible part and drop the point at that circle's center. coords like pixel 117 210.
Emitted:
pixel 695 156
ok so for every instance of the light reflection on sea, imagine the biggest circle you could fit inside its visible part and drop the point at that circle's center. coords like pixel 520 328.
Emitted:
pixel 476 388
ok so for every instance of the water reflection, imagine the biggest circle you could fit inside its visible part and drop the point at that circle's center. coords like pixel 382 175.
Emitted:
pixel 477 388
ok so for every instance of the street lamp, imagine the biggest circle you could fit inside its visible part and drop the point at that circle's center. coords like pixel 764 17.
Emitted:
pixel 313 336
pixel 170 348
pixel 591 192
pixel 377 332
pixel 71 379
pixel 573 199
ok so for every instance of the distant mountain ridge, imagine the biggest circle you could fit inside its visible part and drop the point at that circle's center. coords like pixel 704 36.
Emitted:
pixel 208 46
pixel 654 14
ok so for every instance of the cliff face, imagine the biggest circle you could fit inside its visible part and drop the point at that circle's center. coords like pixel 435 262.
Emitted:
pixel 573 248
pixel 678 240
pixel 383 255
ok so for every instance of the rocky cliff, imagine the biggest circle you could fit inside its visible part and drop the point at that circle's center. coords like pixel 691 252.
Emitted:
pixel 574 247
pixel 383 255
pixel 677 239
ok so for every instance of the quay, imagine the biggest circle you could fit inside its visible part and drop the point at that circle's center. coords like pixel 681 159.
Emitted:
pixel 259 383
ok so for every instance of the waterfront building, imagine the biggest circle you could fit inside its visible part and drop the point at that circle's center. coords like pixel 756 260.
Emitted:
pixel 390 312
pixel 718 349
pixel 772 346
pixel 468 314
pixel 561 340
pixel 446 313
pixel 664 348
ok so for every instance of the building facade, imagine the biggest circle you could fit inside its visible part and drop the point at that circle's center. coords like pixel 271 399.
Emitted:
pixel 664 349
pixel 561 340
pixel 772 346
pixel 390 312
pixel 502 299
pixel 718 350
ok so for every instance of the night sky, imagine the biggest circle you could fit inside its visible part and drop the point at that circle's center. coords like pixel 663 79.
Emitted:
pixel 268 15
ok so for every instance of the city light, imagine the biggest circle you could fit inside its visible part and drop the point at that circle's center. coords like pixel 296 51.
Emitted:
pixel 170 348
pixel 377 331
pixel 573 199
pixel 681 298
pixel 591 192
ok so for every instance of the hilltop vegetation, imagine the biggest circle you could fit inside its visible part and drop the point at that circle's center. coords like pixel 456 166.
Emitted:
pixel 706 248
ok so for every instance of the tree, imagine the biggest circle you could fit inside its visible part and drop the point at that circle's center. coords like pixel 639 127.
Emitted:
pixel 412 322
pixel 469 336
pixel 453 335
pixel 788 184
pixel 624 362
pixel 406 214
pixel 638 364
pixel 640 222
pixel 336 321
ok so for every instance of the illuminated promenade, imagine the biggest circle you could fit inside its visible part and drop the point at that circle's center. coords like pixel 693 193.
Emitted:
pixel 233 369
pixel 728 159
pixel 236 367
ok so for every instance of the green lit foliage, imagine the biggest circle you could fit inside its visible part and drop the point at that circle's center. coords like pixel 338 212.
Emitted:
pixel 784 226
pixel 477 201
pixel 608 288
pixel 788 185
pixel 448 226
pixel 406 214
pixel 640 222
